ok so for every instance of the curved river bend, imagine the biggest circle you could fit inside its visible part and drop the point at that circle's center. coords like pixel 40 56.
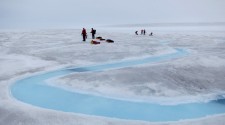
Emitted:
pixel 34 90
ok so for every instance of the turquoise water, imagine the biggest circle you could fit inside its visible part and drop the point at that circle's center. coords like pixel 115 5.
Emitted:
pixel 33 90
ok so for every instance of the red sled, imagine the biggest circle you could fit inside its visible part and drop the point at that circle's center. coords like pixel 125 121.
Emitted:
pixel 94 42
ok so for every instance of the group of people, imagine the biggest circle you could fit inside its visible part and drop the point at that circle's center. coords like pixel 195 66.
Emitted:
pixel 93 32
pixel 143 32
pixel 84 33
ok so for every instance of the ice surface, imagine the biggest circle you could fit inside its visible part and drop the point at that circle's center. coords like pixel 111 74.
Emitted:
pixel 198 77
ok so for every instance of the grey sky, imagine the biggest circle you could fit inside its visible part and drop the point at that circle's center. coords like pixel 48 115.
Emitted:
pixel 66 13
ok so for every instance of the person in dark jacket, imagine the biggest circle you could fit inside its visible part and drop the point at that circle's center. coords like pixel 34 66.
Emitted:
pixel 144 32
pixel 136 32
pixel 84 34
pixel 93 32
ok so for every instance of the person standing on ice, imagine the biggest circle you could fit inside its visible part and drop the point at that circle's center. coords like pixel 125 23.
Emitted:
pixel 93 32
pixel 144 31
pixel 84 34
pixel 136 32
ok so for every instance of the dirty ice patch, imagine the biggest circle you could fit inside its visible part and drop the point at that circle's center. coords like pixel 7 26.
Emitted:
pixel 201 60
pixel 13 64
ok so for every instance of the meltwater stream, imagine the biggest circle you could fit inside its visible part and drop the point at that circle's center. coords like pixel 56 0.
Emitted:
pixel 34 90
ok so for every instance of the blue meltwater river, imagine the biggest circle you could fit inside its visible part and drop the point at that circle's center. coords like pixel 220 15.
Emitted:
pixel 34 90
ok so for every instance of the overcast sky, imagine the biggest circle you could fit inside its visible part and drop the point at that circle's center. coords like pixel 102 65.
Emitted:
pixel 71 13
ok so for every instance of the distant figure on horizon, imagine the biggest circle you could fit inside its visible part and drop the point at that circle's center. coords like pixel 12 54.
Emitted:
pixel 84 34
pixel 93 32
pixel 136 32
pixel 144 31
pixel 151 34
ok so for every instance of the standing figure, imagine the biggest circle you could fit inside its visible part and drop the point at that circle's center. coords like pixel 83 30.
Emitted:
pixel 84 34
pixel 136 32
pixel 93 32
pixel 144 31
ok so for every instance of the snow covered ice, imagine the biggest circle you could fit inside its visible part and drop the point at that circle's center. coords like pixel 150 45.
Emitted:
pixel 197 77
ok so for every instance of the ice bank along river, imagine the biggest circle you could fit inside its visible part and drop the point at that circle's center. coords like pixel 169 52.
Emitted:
pixel 34 90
